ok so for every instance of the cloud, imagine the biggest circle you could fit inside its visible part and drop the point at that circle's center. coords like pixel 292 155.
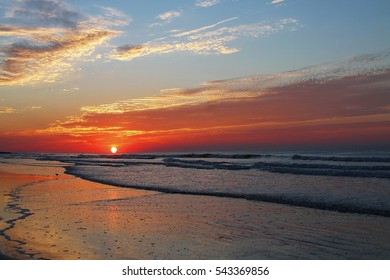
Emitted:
pixel 255 30
pixel 111 17
pixel 204 40
pixel 356 67
pixel 45 38
pixel 70 90
pixel 169 98
pixel 168 16
pixel 206 3
pixel 10 110
pixel 339 101
pixel 46 12
pixel 277 1
pixel 28 32
pixel 130 52
pixel 198 30
pixel 28 62
pixel 7 110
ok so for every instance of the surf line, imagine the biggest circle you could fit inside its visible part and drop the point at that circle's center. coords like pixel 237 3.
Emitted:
pixel 14 206
pixel 278 199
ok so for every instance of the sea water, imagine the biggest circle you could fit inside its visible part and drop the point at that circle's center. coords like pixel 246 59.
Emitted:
pixel 346 182
pixel 223 204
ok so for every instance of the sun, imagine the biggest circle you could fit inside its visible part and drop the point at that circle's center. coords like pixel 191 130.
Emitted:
pixel 114 150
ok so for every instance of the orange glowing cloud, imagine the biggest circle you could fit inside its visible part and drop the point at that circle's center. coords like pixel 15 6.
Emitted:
pixel 325 105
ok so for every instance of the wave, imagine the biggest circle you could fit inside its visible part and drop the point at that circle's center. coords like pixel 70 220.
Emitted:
pixel 326 170
pixel 337 158
pixel 202 164
pixel 342 158
pixel 291 168
pixel 286 199
pixel 296 164
pixel 155 156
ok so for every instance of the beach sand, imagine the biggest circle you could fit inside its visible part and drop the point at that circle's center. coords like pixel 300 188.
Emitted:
pixel 49 216
pixel 4 257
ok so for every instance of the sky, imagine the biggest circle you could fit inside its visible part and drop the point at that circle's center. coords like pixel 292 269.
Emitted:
pixel 194 75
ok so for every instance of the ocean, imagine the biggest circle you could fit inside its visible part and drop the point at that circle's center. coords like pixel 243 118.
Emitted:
pixel 276 205
pixel 349 182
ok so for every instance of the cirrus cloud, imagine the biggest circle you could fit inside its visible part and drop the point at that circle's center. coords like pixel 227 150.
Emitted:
pixel 45 38
pixel 168 16
pixel 205 40
pixel 206 3
pixel 277 1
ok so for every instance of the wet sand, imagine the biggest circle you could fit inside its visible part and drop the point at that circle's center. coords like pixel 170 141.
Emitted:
pixel 4 257
pixel 49 216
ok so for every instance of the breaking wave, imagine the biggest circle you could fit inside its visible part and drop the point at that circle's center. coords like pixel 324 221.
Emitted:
pixel 354 183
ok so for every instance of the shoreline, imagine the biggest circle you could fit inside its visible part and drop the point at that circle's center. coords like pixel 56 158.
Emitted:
pixel 73 218
pixel 4 257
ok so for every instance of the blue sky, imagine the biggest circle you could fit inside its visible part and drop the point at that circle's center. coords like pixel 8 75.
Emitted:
pixel 323 31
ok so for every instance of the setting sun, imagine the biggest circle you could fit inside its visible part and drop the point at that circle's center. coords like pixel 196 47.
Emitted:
pixel 114 150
